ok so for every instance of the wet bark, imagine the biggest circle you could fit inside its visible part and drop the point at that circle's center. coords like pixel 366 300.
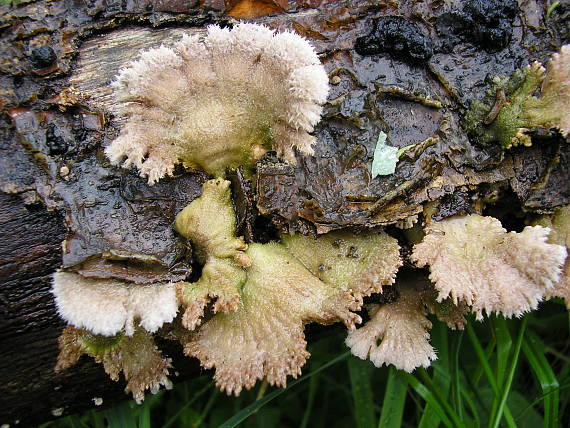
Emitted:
pixel 30 250
pixel 56 184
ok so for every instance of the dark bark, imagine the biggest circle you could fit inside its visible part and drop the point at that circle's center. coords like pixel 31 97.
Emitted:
pixel 30 250
pixel 31 391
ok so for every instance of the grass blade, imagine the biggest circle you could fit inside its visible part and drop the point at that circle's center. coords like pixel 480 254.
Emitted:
pixel 256 405
pixel 96 419
pixel 549 384
pixel 504 346
pixel 360 373
pixel 498 414
pixel 538 400
pixel 453 416
pixel 472 407
pixel 488 352
pixel 456 374
pixel 188 403
pixel 74 421
pixel 144 416
pixel 441 369
pixel 208 407
pixel 428 396
pixel 482 357
pixel 394 400
pixel 526 415
pixel 121 417
pixel 311 399
pixel 144 410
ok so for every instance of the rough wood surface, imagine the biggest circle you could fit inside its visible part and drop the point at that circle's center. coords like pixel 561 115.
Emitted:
pixel 30 250
pixel 101 58
pixel 31 391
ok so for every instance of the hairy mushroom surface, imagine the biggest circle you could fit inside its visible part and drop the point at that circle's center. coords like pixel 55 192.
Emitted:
pixel 209 222
pixel 263 338
pixel 274 290
pixel 472 259
pixel 559 222
pixel 136 356
pixel 363 263
pixel 107 307
pixel 551 108
pixel 218 102
pixel 397 334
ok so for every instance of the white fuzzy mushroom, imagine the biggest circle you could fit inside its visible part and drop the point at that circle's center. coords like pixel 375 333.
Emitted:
pixel 397 334
pixel 218 102
pixel 472 259
pixel 106 307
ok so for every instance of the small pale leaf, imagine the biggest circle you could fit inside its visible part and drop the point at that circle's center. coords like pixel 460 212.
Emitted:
pixel 385 157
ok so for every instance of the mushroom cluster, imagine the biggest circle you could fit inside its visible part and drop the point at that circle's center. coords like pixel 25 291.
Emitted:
pixel 245 315
pixel 274 290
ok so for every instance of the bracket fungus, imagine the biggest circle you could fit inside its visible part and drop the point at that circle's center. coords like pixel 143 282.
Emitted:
pixel 112 322
pixel 218 102
pixel 209 222
pixel 365 261
pixel 279 289
pixel 222 101
pixel 263 338
pixel 136 356
pixel 397 333
pixel 210 103
pixel 559 223
pixel 108 307
pixel 473 260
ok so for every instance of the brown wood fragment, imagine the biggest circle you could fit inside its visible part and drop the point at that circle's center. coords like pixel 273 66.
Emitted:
pixel 101 58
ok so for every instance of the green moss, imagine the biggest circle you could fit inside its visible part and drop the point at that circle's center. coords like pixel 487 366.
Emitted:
pixel 508 110
pixel 95 344
pixel 511 109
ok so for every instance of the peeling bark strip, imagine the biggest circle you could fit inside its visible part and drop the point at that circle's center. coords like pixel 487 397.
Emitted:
pixel 101 58
pixel 51 152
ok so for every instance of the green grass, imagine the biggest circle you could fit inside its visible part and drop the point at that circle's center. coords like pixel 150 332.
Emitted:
pixel 498 373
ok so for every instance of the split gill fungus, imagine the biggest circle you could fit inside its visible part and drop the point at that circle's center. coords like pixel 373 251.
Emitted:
pixel 220 102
